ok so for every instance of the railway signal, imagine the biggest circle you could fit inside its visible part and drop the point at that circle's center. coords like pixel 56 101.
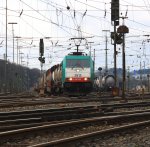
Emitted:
pixel 41 50
pixel 115 19
pixel 118 37
pixel 114 10
pixel 41 59
pixel 41 47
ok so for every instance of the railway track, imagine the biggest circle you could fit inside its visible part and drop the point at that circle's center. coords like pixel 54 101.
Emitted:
pixel 7 125
pixel 89 96
pixel 17 100
pixel 72 141
pixel 56 114
pixel 47 112
pixel 56 101
pixel 73 131
pixel 13 120
pixel 68 110
pixel 25 120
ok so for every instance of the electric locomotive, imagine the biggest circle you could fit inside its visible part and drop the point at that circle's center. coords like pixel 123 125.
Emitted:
pixel 77 73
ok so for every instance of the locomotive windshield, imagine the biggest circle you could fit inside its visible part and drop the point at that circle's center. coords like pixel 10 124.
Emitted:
pixel 74 63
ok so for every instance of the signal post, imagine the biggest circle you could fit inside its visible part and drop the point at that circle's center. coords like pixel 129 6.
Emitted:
pixel 123 30
pixel 115 19
pixel 42 61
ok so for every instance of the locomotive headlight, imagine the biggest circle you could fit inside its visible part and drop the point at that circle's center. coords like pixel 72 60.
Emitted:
pixel 78 70
pixel 85 79
pixel 70 79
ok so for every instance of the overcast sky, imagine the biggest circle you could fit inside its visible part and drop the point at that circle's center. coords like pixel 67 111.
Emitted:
pixel 56 21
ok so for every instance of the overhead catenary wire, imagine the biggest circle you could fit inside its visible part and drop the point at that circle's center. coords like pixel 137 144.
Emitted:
pixel 62 26
pixel 133 30
pixel 137 22
pixel 45 17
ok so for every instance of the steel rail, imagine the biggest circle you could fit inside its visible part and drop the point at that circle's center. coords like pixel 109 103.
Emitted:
pixel 108 119
pixel 31 122
pixel 74 139
pixel 101 108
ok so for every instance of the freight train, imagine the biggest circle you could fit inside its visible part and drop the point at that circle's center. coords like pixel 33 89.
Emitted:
pixel 74 76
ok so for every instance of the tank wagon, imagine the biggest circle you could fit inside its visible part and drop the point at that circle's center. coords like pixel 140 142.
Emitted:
pixel 75 75
pixel 105 83
pixel 108 82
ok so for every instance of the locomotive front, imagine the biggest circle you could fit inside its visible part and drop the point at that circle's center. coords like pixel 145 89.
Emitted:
pixel 78 74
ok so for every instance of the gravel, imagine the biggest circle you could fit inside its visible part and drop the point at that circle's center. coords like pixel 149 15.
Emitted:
pixel 135 138
pixel 48 106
